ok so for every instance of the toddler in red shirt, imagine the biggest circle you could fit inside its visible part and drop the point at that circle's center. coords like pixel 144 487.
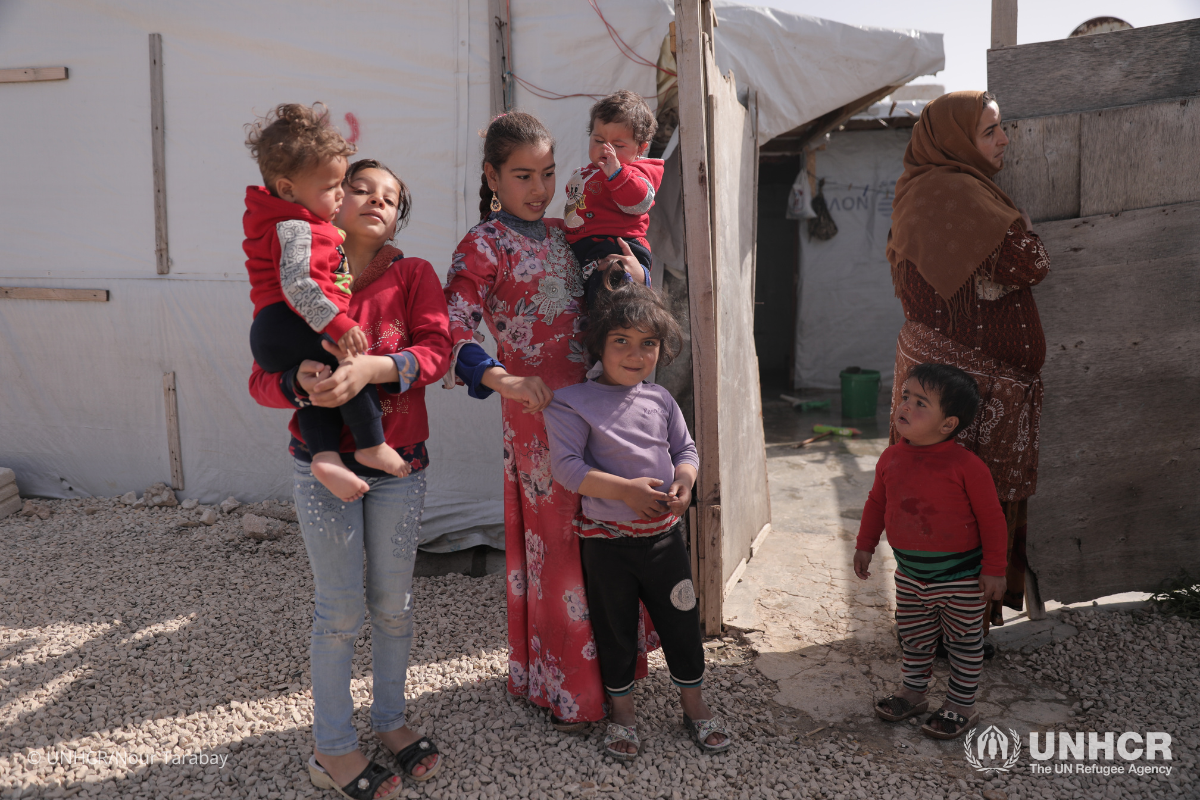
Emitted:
pixel 300 283
pixel 950 539
pixel 609 200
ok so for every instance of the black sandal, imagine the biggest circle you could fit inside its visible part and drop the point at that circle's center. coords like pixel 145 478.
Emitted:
pixel 361 788
pixel 411 756
pixel 943 716
pixel 562 726
pixel 896 709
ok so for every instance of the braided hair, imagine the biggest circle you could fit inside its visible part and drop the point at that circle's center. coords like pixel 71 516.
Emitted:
pixel 505 134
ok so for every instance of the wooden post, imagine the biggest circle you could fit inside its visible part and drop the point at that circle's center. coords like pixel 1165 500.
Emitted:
pixel 158 152
pixel 33 293
pixel 27 74
pixel 1004 23
pixel 172 404
pixel 692 47
pixel 500 58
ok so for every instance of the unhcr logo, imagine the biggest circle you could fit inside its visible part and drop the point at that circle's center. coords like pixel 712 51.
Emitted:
pixel 993 750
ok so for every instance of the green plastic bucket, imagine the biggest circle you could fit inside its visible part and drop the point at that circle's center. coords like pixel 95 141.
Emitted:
pixel 860 392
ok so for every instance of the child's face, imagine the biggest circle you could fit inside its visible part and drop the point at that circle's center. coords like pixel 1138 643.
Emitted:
pixel 919 416
pixel 618 136
pixel 630 355
pixel 319 189
pixel 525 183
pixel 370 207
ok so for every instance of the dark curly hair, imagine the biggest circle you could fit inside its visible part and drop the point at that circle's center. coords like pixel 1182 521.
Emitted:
pixel 628 108
pixel 403 202
pixel 632 305
pixel 292 138
pixel 505 134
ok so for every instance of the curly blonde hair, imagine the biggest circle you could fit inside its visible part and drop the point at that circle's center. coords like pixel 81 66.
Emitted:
pixel 293 138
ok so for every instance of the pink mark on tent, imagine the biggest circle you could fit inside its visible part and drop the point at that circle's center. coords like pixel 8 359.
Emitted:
pixel 352 122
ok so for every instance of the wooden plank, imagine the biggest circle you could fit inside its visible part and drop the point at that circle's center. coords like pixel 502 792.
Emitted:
pixel 745 502
pixel 34 293
pixel 158 153
pixel 693 54
pixel 500 57
pixel 1004 23
pixel 29 74
pixel 1139 156
pixel 1092 72
pixel 736 576
pixel 1041 166
pixel 1119 474
pixel 759 539
pixel 172 405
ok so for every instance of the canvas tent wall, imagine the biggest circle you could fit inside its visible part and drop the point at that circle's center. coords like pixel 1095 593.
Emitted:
pixel 82 408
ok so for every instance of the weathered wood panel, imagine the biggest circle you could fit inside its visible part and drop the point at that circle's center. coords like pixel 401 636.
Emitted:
pixel 37 293
pixel 1041 166
pixel 1004 23
pixel 1101 71
pixel 1139 156
pixel 158 155
pixel 1118 502
pixel 745 504
pixel 29 74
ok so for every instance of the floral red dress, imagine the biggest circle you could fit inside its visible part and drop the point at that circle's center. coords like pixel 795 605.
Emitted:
pixel 529 292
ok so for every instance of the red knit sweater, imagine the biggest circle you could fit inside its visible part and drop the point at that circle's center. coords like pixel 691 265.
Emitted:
pixel 938 498
pixel 616 207
pixel 293 257
pixel 401 305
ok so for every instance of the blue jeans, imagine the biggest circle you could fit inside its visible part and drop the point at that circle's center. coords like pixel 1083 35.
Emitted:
pixel 385 525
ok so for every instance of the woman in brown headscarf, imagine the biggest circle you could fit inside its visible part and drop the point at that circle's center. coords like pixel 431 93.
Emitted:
pixel 963 260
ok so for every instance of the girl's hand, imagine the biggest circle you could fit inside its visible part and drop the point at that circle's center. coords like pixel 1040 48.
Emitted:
pixel 627 262
pixel 311 373
pixel 680 497
pixel 531 392
pixel 353 373
pixel 993 587
pixel 608 160
pixel 641 496
pixel 862 560
pixel 353 342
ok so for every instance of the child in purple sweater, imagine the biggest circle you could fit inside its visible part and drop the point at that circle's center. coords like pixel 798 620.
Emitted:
pixel 615 440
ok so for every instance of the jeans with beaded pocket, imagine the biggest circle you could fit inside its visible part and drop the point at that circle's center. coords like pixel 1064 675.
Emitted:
pixel 385 527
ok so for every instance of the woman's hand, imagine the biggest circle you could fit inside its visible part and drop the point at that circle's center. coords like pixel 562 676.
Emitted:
pixel 641 496
pixel 531 392
pixel 627 262
pixel 353 373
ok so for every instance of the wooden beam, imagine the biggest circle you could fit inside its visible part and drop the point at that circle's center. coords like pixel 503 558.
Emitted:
pixel 1093 72
pixel 172 404
pixel 500 58
pixel 29 74
pixel 694 161
pixel 1004 23
pixel 33 293
pixel 158 153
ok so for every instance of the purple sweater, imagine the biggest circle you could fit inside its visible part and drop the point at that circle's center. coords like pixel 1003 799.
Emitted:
pixel 628 431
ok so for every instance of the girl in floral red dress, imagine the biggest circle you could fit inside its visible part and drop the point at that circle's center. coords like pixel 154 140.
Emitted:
pixel 516 272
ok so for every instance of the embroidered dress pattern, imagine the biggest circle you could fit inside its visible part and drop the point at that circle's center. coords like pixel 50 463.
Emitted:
pixel 528 292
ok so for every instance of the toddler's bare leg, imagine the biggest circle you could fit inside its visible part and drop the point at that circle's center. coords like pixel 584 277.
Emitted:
pixel 384 459
pixel 692 700
pixel 327 467
pixel 624 712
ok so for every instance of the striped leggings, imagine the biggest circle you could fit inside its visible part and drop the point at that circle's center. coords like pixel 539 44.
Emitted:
pixel 951 611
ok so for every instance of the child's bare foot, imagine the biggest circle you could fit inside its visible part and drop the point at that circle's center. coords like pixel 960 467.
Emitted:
pixel 327 467
pixel 384 459
pixel 694 706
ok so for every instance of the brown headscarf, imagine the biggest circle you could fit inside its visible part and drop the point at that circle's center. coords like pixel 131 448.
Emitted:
pixel 948 218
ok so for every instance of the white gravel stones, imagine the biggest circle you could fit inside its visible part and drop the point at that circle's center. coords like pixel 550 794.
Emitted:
pixel 172 662
pixel 229 504
pixel 262 528
pixel 160 495
pixel 129 498
pixel 189 504
pixel 208 516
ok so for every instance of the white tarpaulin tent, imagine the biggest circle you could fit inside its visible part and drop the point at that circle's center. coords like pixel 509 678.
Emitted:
pixel 82 408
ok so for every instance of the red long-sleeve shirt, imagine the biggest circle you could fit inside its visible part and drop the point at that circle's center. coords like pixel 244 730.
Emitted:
pixel 619 206
pixel 293 258
pixel 401 305
pixel 939 498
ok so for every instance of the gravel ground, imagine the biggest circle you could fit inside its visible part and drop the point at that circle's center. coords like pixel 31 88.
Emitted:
pixel 142 650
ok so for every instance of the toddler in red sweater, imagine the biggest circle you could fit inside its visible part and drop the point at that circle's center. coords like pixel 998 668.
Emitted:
pixel 609 200
pixel 949 537
pixel 300 283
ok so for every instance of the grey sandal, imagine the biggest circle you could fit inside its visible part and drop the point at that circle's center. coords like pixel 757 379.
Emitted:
pixel 619 733
pixel 701 729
